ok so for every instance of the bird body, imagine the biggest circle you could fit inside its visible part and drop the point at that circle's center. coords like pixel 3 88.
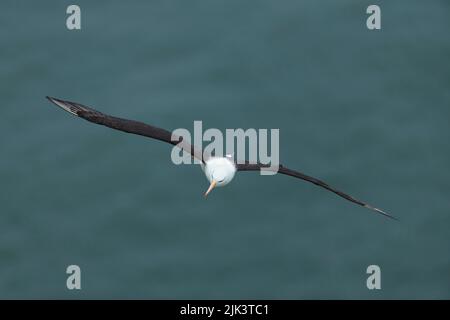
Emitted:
pixel 218 170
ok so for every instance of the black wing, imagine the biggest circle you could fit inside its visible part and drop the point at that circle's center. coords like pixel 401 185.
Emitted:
pixel 125 125
pixel 296 174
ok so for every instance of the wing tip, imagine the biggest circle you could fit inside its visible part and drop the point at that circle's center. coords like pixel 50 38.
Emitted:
pixel 53 100
pixel 65 105
pixel 381 212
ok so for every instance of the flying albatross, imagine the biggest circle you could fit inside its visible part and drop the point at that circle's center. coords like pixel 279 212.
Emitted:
pixel 218 170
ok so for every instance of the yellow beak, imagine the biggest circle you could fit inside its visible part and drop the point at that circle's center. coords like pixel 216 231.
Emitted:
pixel 211 186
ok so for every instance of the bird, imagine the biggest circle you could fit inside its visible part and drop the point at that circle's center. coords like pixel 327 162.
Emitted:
pixel 219 171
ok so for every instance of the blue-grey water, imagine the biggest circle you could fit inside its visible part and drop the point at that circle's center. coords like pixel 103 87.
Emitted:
pixel 366 111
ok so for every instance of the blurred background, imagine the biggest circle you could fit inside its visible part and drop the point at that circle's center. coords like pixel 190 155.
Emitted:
pixel 366 111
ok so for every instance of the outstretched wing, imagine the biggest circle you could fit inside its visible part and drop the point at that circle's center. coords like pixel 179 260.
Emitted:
pixel 297 174
pixel 130 126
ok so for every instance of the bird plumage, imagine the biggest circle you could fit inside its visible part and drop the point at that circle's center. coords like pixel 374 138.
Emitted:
pixel 218 170
pixel 296 174
pixel 129 126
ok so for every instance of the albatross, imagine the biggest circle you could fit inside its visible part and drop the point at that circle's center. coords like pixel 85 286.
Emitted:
pixel 218 170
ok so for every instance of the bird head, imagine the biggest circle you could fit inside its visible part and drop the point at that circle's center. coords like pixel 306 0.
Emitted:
pixel 218 179
pixel 219 173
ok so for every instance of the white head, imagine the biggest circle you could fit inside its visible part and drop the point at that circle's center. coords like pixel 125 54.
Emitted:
pixel 219 171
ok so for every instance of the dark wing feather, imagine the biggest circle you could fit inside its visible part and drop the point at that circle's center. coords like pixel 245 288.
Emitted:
pixel 125 125
pixel 296 174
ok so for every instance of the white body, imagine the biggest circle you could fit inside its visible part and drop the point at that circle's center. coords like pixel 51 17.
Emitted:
pixel 219 169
